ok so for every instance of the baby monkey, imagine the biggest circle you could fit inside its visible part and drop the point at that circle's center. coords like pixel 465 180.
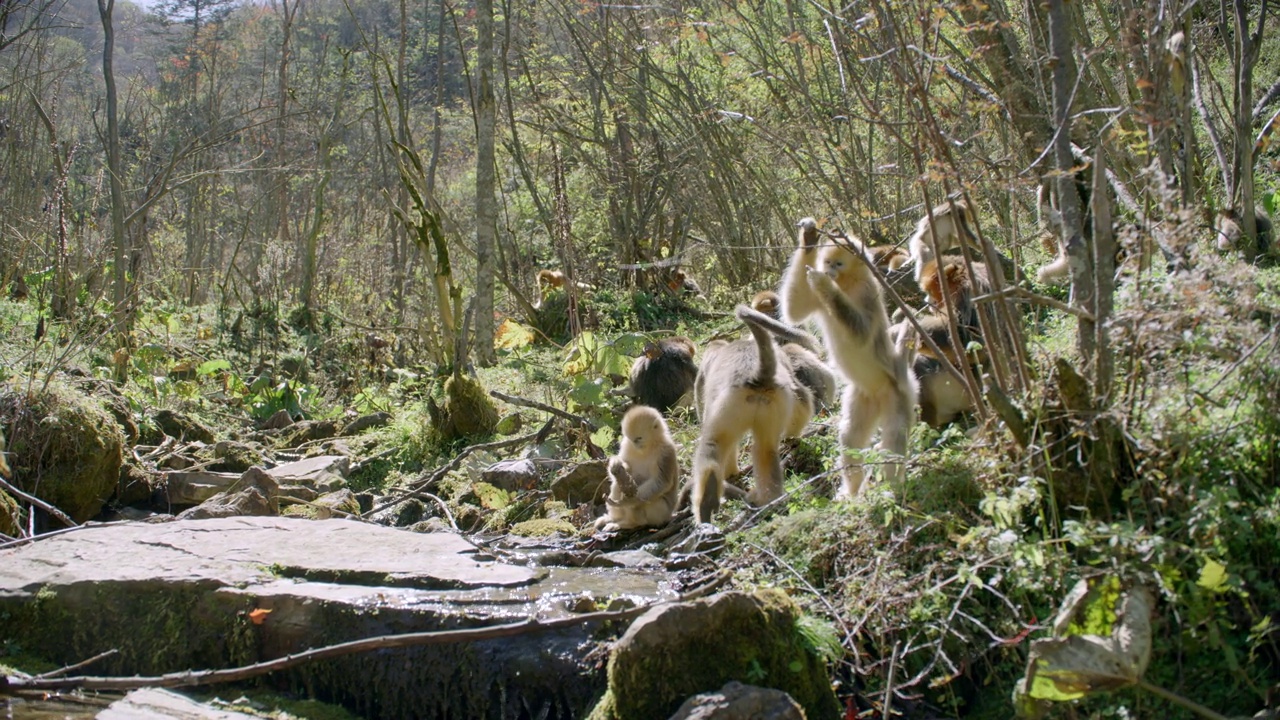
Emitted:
pixel 643 476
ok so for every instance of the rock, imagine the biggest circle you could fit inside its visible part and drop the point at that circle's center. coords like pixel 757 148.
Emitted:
pixel 626 558
pixel 662 658
pixel 279 420
pixel 192 488
pixel 364 422
pixel 402 514
pixel 254 493
pixel 178 595
pixel 736 701
pixel 544 527
pixel 335 504
pixel 511 475
pixel 586 482
pixel 63 448
pixel 155 704
pixel 183 427
pixel 249 501
pixel 10 516
pixel 134 485
pixel 299 492
pixel 307 472
pixel 235 457
pixel 307 431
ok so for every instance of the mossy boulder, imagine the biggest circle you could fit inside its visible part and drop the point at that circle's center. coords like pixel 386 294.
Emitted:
pixel 467 413
pixel 676 651
pixel 183 427
pixel 10 519
pixel 64 448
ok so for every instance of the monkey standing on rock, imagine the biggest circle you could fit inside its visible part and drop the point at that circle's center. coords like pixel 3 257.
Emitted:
pixel 644 475
pixel 837 288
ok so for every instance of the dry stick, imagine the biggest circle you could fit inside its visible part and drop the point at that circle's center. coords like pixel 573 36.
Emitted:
pixel 77 666
pixel 452 465
pixel 525 402
pixel 55 533
pixel 61 516
pixel 1035 299
pixel 439 637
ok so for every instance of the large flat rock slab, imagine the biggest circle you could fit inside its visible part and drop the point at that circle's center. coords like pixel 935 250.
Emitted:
pixel 199 594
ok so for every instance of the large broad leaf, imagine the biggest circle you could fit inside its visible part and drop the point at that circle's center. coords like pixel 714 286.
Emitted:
pixel 1102 642
pixel 511 335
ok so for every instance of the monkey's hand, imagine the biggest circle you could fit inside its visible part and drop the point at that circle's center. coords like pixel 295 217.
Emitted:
pixel 820 282
pixel 621 475
pixel 808 233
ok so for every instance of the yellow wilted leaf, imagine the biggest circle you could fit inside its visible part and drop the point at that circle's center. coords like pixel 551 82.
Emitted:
pixel 512 335
pixel 259 615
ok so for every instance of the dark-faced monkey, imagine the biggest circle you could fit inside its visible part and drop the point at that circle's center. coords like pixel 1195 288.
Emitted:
pixel 665 373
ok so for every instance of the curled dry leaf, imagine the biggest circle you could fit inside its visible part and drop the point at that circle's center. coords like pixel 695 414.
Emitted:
pixel 1102 641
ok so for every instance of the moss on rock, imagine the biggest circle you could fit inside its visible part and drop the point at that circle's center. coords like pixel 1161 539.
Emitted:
pixel 10 517
pixel 65 449
pixel 676 651
pixel 467 413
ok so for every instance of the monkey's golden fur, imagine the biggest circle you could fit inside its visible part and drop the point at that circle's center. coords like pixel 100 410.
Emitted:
pixel 644 476
pixel 832 285
pixel 743 387
pixel 950 223
pixel 962 286
pixel 801 350
pixel 941 395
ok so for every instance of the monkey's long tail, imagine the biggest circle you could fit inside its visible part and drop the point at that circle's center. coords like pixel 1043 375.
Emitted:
pixel 790 333
pixel 766 352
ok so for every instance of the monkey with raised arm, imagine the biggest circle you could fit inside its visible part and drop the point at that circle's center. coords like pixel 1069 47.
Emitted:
pixel 831 284
pixel 744 388
pixel 644 475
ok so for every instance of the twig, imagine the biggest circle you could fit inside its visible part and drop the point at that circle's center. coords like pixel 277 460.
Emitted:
pixel 55 533
pixel 1173 697
pixel 55 512
pixel 77 666
pixel 419 487
pixel 525 402
pixel 439 637
pixel 372 459
pixel 1036 300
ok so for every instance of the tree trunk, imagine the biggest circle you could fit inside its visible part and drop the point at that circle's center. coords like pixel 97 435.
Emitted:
pixel 121 295
pixel 486 201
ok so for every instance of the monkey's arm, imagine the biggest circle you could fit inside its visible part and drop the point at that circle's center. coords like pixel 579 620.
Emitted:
pixel 661 483
pixel 842 308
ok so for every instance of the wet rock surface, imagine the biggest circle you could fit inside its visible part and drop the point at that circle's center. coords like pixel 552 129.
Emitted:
pixel 183 594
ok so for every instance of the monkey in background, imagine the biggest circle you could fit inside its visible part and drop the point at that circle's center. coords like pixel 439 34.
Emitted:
pixel 682 284
pixel 962 287
pixel 644 475
pixel 743 387
pixel 941 396
pixel 950 223
pixel 801 350
pixel 1230 235
pixel 836 287
pixel 888 257
pixel 665 373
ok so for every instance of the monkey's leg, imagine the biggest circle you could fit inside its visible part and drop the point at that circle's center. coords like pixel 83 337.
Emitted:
pixel 894 432
pixel 857 421
pixel 708 482
pixel 768 469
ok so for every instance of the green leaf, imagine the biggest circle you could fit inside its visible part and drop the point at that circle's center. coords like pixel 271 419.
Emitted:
pixel 212 366
pixel 1213 576
pixel 603 437
pixel 491 497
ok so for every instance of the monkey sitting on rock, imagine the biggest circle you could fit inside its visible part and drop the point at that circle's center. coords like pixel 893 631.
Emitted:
pixel 643 476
